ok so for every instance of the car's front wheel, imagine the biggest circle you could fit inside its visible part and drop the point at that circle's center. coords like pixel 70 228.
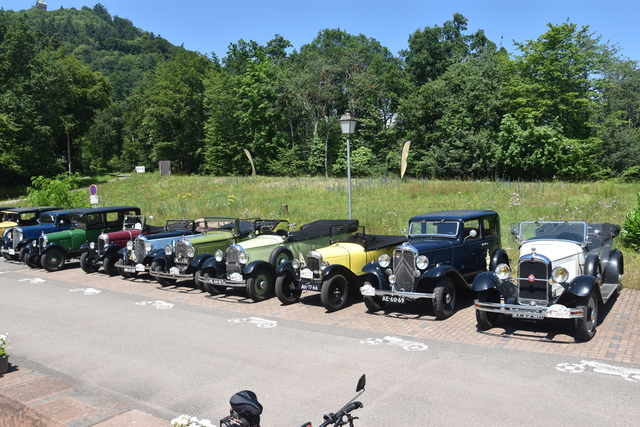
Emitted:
pixel 444 298
pixel 374 304
pixel 485 319
pixel 123 273
pixel 109 264
pixel 335 292
pixel 52 260
pixel 158 267
pixel 24 256
pixel 286 289
pixel 260 284
pixel 586 325
pixel 88 263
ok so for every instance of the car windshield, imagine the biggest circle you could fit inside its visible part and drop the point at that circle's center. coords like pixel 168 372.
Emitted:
pixel 47 219
pixel 429 228
pixel 133 222
pixel 553 230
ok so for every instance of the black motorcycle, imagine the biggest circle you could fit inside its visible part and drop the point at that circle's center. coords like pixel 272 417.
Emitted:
pixel 246 410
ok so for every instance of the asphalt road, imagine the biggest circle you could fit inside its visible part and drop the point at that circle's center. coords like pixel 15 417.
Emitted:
pixel 187 355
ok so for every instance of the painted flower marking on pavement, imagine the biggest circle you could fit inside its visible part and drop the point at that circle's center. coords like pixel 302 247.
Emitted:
pixel 260 322
pixel 160 305
pixel 629 374
pixel 406 345
pixel 33 280
pixel 86 291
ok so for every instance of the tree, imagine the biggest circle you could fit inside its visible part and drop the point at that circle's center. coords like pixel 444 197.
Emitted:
pixel 554 99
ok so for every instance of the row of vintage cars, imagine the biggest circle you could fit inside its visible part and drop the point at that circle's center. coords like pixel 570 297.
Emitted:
pixel 565 269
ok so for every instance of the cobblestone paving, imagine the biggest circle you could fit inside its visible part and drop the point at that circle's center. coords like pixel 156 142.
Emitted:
pixel 617 338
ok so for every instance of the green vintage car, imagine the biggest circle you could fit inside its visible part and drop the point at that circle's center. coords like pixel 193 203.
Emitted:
pixel 175 263
pixel 54 249
pixel 252 264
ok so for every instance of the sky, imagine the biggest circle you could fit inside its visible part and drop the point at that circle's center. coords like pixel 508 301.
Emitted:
pixel 210 26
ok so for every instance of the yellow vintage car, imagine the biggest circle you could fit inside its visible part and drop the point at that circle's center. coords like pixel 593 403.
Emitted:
pixel 333 270
pixel 13 217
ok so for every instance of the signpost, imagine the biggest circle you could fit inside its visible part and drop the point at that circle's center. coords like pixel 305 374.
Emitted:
pixel 93 198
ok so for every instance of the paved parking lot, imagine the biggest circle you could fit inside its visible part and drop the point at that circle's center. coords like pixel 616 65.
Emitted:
pixel 617 338
pixel 31 397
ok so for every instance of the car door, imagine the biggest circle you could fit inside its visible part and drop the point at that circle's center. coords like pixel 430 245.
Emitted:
pixel 473 252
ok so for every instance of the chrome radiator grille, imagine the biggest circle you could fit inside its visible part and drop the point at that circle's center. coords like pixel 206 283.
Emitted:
pixel 103 241
pixel 404 264
pixel 16 237
pixel 181 252
pixel 233 263
pixel 533 282
pixel 139 250
pixel 313 263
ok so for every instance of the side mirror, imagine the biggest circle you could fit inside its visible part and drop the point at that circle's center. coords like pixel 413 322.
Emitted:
pixel 361 383
pixel 473 234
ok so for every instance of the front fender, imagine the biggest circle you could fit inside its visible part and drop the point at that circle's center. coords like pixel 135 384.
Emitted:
pixel 25 243
pixel 485 281
pixel 498 256
pixel 111 250
pixel 252 266
pixel 52 246
pixel 446 270
pixel 198 261
pixel 582 286
pixel 373 269
pixel 335 269
pixel 211 262
pixel 288 267
pixel 85 248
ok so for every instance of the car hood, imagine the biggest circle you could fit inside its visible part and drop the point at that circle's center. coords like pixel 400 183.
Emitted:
pixel 262 240
pixel 61 235
pixel 428 245
pixel 552 249
pixel 212 236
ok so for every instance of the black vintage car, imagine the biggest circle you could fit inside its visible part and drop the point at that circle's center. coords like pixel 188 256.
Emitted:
pixel 565 269
pixel 445 250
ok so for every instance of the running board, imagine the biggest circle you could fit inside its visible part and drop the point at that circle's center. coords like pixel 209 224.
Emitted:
pixel 607 290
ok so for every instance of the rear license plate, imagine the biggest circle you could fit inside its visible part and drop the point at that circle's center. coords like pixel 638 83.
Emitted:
pixel 129 270
pixel 394 298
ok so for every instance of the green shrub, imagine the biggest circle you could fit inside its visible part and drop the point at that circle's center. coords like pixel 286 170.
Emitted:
pixel 56 191
pixel 630 233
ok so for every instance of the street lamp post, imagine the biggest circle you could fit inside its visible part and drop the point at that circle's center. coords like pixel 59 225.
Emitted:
pixel 348 125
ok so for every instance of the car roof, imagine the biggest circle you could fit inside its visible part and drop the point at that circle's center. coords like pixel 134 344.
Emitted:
pixel 112 209
pixel 458 214
pixel 33 209
pixel 67 211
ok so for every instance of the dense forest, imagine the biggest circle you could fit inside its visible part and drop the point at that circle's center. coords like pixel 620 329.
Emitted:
pixel 85 91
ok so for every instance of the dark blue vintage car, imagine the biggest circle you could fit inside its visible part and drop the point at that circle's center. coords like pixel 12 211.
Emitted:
pixel 444 252
pixel 16 239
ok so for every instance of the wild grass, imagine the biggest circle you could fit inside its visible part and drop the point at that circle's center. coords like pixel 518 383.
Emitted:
pixel 382 205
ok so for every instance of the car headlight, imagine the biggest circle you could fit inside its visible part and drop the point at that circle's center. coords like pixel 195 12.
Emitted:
pixel 295 264
pixel 503 271
pixel 191 251
pixel 323 265
pixel 243 258
pixel 384 260
pixel 560 274
pixel 147 246
pixel 129 245
pixel 422 262
pixel 168 250
pixel 219 255
pixel 20 236
pixel 392 278
pixel 92 245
